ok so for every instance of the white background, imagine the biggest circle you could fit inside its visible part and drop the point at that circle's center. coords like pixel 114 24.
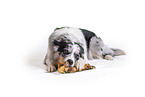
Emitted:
pixel 25 26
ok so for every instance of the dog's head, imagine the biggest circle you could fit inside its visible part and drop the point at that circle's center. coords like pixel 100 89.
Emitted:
pixel 67 49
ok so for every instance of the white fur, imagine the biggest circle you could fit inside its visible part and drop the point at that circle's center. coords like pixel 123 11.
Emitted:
pixel 75 35
pixel 80 64
pixel 97 49
pixel 75 50
pixel 50 67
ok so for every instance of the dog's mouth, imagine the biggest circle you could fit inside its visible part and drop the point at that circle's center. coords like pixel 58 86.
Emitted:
pixel 64 65
pixel 62 60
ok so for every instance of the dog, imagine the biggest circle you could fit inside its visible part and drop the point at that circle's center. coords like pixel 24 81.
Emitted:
pixel 76 46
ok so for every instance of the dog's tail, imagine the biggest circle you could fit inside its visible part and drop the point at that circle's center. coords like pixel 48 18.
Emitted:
pixel 118 52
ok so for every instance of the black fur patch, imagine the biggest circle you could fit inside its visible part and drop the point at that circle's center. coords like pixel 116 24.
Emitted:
pixel 60 28
pixel 88 35
pixel 81 53
pixel 64 44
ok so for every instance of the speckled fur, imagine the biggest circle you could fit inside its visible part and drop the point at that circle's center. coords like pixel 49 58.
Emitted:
pixel 81 45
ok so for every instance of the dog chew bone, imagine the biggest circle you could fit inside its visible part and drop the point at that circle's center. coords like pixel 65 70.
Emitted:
pixel 87 67
pixel 61 69
pixel 65 68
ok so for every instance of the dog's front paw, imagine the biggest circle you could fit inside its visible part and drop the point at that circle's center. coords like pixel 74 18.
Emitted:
pixel 51 68
pixel 80 64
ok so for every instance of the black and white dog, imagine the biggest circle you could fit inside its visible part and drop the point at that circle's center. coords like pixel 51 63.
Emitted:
pixel 76 46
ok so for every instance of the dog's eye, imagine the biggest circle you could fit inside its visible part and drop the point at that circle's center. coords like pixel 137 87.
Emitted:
pixel 65 52
pixel 97 42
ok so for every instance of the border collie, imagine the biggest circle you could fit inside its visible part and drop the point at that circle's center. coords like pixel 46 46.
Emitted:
pixel 76 46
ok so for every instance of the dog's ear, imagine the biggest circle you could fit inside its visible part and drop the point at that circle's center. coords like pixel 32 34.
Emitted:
pixel 56 42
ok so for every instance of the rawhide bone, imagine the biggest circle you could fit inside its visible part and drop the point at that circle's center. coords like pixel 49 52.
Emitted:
pixel 87 67
pixel 66 68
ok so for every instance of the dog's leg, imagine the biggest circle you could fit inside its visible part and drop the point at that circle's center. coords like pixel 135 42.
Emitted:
pixel 50 67
pixel 80 64
pixel 109 53
pixel 108 57
pixel 83 57
pixel 118 52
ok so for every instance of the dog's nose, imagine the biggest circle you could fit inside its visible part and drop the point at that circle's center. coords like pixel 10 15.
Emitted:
pixel 70 61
